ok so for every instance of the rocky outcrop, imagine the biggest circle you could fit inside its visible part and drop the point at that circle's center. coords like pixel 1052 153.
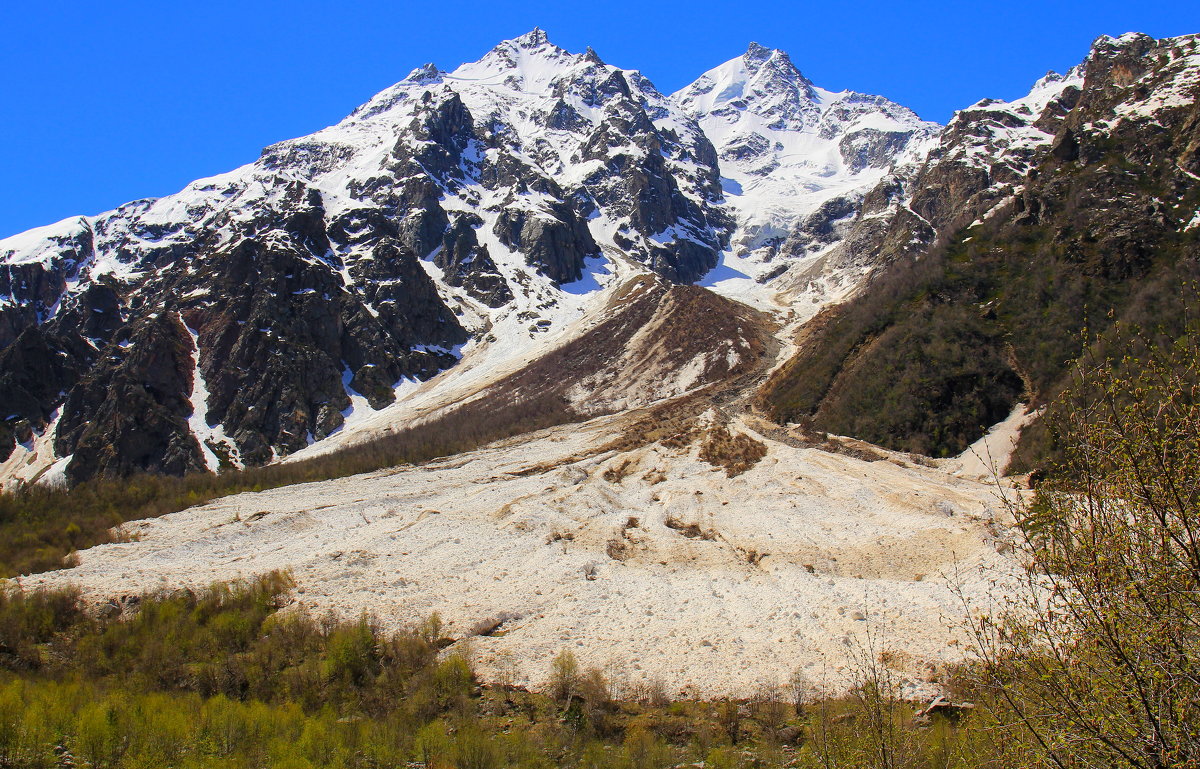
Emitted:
pixel 30 288
pixel 466 263
pixel 830 223
pixel 35 370
pixel 871 148
pixel 282 337
pixel 129 414
pixel 555 242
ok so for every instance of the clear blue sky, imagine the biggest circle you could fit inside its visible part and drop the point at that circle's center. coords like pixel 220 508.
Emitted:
pixel 101 103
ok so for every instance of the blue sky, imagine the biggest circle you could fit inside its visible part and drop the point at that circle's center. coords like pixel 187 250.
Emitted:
pixel 101 103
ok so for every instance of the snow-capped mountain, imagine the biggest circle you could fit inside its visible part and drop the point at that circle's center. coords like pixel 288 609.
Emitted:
pixel 262 310
pixel 462 224
pixel 318 280
pixel 796 159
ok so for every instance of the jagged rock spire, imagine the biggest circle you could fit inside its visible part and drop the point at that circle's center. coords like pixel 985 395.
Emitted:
pixel 534 38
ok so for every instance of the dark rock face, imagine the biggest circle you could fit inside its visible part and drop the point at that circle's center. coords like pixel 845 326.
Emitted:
pixel 34 287
pixel 554 244
pixel 976 163
pixel 34 370
pixel 280 332
pixel 286 334
pixel 829 224
pixel 95 315
pixel 281 337
pixel 467 264
pixel 130 413
pixel 680 239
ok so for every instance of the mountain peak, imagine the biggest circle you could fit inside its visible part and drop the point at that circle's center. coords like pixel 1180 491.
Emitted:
pixel 762 76
pixel 534 38
pixel 426 73
pixel 529 62
pixel 1125 39
pixel 1108 47
pixel 758 52
pixel 759 58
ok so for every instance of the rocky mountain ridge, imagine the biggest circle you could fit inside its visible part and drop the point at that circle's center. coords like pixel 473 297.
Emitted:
pixel 1030 226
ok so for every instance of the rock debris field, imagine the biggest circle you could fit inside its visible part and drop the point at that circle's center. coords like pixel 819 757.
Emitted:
pixel 647 563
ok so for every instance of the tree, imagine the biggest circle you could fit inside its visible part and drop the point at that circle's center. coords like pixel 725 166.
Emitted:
pixel 564 676
pixel 800 691
pixel 432 744
pixel 1099 662
pixel 731 720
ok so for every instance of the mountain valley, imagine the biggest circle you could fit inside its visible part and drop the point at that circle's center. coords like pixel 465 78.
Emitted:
pixel 757 354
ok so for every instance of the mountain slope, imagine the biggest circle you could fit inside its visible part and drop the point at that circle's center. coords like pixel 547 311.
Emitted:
pixel 1031 221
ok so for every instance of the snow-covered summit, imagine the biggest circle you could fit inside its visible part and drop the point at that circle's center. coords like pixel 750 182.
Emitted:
pixel 787 147
pixel 529 63
pixel 762 80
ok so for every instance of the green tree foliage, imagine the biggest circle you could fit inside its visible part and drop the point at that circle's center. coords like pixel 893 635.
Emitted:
pixel 564 676
pixel 1100 663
